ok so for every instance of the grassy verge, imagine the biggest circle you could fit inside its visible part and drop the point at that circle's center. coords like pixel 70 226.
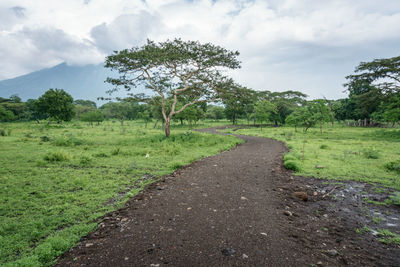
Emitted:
pixel 341 153
pixel 56 180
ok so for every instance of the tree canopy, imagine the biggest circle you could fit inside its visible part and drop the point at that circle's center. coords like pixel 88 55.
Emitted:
pixel 373 88
pixel 174 68
pixel 57 104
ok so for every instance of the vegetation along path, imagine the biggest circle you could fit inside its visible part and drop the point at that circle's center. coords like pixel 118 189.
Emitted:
pixel 233 209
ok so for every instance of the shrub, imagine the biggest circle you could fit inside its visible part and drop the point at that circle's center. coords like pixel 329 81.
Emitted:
pixel 56 156
pixel 371 154
pixel 116 151
pixel 45 138
pixel 85 160
pixel 288 157
pixel 323 146
pixel 3 132
pixel 292 165
pixel 393 166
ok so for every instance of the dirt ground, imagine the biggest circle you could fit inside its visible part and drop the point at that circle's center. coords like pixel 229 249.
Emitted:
pixel 239 208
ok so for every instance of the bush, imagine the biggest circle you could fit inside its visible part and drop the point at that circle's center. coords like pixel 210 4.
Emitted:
pixel 288 157
pixel 116 151
pixel 56 156
pixel 85 160
pixel 393 166
pixel 371 154
pixel 292 165
pixel 323 146
pixel 3 132
pixel 45 138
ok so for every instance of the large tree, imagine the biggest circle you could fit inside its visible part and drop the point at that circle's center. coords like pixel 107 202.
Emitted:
pixel 239 102
pixel 265 110
pixel 374 85
pixel 173 69
pixel 57 104
pixel 383 74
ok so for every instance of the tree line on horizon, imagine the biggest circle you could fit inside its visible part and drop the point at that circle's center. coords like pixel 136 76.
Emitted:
pixel 185 77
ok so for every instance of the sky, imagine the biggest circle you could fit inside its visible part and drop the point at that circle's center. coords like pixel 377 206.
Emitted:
pixel 303 45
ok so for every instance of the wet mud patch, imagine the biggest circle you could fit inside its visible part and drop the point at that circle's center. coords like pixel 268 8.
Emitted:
pixel 350 223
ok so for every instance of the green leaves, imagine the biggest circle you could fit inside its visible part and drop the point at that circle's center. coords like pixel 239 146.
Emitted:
pixel 56 103
pixel 174 68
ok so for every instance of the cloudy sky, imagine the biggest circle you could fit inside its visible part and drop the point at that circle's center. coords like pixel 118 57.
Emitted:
pixel 305 45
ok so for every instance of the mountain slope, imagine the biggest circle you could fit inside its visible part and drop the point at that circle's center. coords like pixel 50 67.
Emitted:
pixel 82 82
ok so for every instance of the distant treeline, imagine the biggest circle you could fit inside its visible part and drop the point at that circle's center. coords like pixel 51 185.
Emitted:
pixel 374 100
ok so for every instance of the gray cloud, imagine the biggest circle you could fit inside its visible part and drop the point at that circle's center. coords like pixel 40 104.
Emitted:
pixel 19 11
pixel 33 48
pixel 125 31
pixel 10 16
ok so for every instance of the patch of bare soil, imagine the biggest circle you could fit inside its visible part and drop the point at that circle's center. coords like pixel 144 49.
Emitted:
pixel 239 208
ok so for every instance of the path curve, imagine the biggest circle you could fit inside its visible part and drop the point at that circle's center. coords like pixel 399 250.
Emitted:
pixel 222 210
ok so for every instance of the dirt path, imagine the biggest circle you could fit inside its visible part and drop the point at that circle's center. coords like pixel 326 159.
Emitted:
pixel 225 210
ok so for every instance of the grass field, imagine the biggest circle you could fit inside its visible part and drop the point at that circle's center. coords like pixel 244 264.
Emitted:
pixel 56 180
pixel 341 153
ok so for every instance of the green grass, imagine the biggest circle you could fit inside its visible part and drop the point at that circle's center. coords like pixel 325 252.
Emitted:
pixel 56 180
pixel 363 230
pixel 388 237
pixel 341 153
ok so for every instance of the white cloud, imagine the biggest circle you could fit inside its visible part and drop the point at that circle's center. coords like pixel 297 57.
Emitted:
pixel 307 45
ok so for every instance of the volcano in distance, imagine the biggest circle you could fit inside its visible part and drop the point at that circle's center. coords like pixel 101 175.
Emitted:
pixel 81 82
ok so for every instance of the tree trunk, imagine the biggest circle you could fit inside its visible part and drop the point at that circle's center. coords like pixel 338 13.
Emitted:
pixel 181 121
pixel 155 124
pixel 122 121
pixel 167 130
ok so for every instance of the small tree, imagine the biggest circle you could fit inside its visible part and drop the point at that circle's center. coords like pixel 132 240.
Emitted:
pixel 215 113
pixel 320 111
pixel 118 110
pixel 313 112
pixel 263 110
pixel 33 111
pixel 238 102
pixel 6 115
pixel 94 116
pixel 57 104
pixel 145 116
pixel 174 68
